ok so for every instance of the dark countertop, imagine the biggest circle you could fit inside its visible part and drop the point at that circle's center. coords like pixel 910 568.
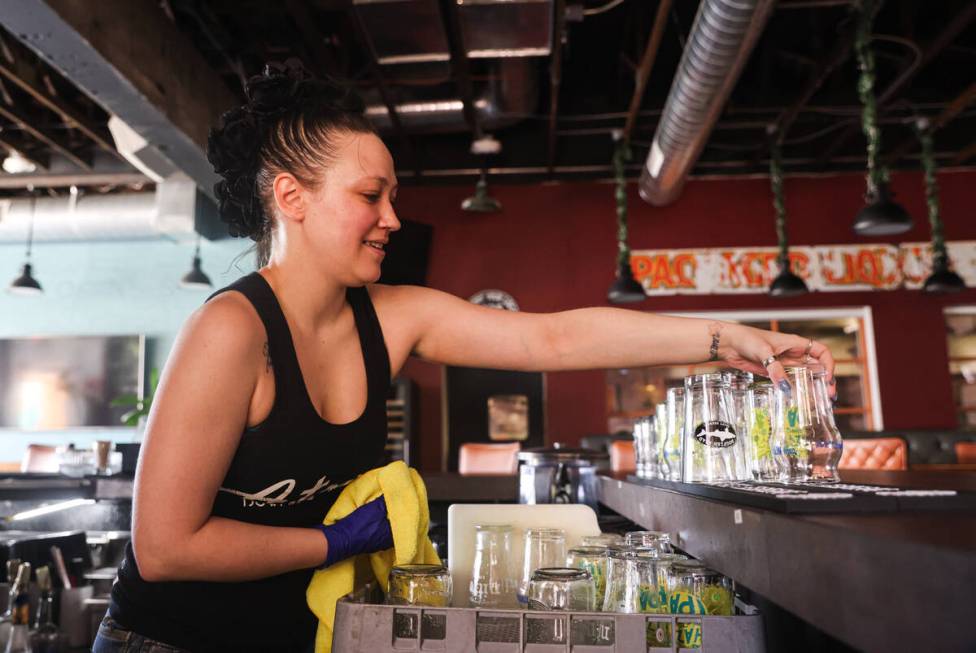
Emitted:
pixel 885 581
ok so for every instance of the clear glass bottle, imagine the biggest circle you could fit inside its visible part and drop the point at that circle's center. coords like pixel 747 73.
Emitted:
pixel 560 588
pixel 826 471
pixel 797 427
pixel 493 580
pixel 593 560
pixel 6 619
pixel 19 641
pixel 45 636
pixel 544 547
pixel 712 450
pixel 675 425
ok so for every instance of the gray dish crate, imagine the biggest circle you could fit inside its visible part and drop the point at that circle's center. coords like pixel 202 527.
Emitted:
pixel 371 627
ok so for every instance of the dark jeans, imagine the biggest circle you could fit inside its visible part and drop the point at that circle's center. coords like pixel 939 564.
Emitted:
pixel 113 638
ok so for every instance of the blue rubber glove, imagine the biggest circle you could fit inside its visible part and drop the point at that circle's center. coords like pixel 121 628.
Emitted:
pixel 365 530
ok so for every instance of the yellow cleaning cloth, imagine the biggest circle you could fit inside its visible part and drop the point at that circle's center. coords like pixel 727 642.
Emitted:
pixel 406 505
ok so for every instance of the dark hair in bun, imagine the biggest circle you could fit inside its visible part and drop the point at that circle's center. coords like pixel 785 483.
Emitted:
pixel 286 125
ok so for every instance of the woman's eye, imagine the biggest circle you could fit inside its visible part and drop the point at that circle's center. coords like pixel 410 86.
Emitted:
pixel 372 198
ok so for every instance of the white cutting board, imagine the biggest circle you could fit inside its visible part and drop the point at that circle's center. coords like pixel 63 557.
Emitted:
pixel 576 519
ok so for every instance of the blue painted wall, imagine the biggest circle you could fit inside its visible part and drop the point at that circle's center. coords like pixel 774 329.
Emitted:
pixel 103 288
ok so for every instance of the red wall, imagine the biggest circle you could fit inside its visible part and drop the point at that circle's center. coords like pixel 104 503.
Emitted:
pixel 553 248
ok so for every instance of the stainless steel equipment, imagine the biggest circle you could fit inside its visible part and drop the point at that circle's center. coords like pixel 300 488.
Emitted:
pixel 559 475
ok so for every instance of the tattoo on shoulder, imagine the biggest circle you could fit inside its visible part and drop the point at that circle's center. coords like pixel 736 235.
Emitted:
pixel 267 357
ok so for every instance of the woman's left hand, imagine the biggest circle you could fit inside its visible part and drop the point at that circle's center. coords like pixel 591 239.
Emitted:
pixel 769 353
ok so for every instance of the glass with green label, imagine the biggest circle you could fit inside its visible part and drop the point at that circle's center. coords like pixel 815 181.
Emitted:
pixel 592 559
pixel 713 450
pixel 693 589
pixel 764 466
pixel 795 426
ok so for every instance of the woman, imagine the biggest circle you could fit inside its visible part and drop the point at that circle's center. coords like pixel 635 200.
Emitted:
pixel 273 397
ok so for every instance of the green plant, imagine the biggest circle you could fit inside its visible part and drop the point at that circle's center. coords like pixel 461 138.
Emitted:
pixel 140 407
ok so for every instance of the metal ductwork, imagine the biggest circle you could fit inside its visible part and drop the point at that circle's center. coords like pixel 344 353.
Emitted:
pixel 511 93
pixel 721 39
pixel 173 212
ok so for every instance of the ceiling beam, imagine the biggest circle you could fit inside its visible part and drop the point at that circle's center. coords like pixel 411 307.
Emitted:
pixel 15 66
pixel 647 63
pixel 459 62
pixel 57 180
pixel 952 29
pixel 384 91
pixel 130 58
pixel 964 154
pixel 28 124
pixel 957 106
pixel 555 78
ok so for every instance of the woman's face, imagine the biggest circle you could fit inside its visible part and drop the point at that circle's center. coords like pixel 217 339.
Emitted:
pixel 350 216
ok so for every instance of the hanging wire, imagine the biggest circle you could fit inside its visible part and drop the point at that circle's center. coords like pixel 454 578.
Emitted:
pixel 602 8
pixel 924 131
pixel 30 221
pixel 877 174
pixel 621 155
pixel 776 181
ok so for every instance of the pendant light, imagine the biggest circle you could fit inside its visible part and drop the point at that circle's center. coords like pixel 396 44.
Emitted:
pixel 625 288
pixel 786 284
pixel 195 279
pixel 480 202
pixel 26 284
pixel 882 216
pixel 942 278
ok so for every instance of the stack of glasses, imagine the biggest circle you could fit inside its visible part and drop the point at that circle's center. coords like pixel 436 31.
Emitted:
pixel 726 427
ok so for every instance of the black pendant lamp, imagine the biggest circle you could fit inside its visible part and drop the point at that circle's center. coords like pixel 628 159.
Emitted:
pixel 625 288
pixel 481 202
pixel 786 284
pixel 195 279
pixel 942 279
pixel 26 284
pixel 882 216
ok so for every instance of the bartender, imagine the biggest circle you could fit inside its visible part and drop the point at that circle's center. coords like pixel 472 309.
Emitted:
pixel 273 398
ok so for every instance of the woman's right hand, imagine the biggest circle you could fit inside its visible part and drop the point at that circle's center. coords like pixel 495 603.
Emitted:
pixel 365 530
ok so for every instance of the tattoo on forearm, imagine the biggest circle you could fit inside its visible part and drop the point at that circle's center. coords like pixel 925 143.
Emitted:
pixel 267 357
pixel 715 330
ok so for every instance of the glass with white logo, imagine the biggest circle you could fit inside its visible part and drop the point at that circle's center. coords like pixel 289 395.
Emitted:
pixel 760 424
pixel 675 426
pixel 428 585
pixel 797 426
pixel 544 547
pixel 493 578
pixel 712 450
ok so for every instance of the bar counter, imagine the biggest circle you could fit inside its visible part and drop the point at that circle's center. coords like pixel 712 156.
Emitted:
pixel 876 581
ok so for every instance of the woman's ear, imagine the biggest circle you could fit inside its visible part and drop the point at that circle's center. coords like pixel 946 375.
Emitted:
pixel 289 197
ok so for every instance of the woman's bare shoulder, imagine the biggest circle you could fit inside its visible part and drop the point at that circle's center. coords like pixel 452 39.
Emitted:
pixel 229 319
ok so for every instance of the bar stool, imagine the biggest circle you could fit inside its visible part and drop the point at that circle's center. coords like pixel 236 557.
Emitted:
pixel 966 453
pixel 622 457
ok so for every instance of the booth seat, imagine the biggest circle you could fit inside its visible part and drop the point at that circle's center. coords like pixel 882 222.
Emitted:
pixel 925 447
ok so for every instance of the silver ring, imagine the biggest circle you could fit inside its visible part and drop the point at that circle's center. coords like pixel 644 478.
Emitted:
pixel 766 362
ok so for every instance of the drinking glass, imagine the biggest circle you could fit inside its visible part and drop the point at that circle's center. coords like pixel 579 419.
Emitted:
pixel 593 560
pixel 675 426
pixel 644 446
pixel 420 585
pixel 635 578
pixel 763 464
pixel 661 440
pixel 658 540
pixel 603 539
pixel 695 589
pixel 827 472
pixel 561 588
pixel 712 450
pixel 493 580
pixel 743 400
pixel 544 547
pixel 798 427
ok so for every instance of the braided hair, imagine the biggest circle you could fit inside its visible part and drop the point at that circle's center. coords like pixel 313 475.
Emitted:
pixel 288 124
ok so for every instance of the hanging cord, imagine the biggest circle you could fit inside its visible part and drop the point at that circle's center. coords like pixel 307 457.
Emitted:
pixel 924 131
pixel 620 156
pixel 30 222
pixel 776 181
pixel 877 174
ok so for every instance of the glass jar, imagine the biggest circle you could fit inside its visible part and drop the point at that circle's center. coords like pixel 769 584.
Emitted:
pixel 653 539
pixel 593 560
pixel 420 585
pixel 827 451
pixel 675 426
pixel 712 450
pixel 544 547
pixel 561 588
pixel 493 579
pixel 693 589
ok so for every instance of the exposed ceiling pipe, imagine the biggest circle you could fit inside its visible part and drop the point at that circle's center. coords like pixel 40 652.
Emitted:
pixel 718 47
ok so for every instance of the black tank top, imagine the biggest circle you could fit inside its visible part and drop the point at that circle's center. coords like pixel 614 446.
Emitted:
pixel 287 471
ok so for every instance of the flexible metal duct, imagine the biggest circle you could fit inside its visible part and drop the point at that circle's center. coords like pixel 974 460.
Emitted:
pixel 721 39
